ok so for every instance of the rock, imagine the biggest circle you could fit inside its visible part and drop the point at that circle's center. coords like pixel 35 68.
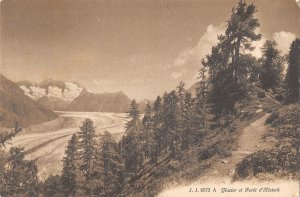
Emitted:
pixel 257 146
pixel 231 172
pixel 261 95
pixel 259 106
pixel 259 110
pixel 270 139
pixel 224 161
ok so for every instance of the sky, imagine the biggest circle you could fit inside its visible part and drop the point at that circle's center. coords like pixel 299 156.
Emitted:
pixel 140 47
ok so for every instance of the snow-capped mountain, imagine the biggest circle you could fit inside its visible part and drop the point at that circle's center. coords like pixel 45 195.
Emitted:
pixel 65 91
pixel 60 96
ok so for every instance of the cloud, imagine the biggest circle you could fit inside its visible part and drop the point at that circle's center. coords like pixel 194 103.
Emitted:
pixel 186 65
pixel 178 74
pixel 298 3
pixel 103 82
pixel 284 40
pixel 193 55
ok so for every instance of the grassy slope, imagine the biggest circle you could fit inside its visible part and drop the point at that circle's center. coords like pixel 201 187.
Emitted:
pixel 217 143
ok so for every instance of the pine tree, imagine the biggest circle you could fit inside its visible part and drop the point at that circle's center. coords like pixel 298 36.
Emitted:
pixel 169 131
pixel 183 124
pixel 181 92
pixel 227 76
pixel 89 158
pixel 292 75
pixel 112 164
pixel 130 143
pixel 222 92
pixel 272 66
pixel 240 32
pixel 201 96
pixel 147 119
pixel 134 114
pixel 17 175
pixel 147 137
pixel 70 168
pixel 53 186
pixel 188 126
pixel 252 66
pixel 157 123
pixel 21 176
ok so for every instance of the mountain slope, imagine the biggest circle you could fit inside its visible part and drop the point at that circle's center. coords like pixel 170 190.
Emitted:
pixel 106 102
pixel 18 107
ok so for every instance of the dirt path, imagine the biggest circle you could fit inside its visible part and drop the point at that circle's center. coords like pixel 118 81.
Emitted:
pixel 220 174
pixel 249 141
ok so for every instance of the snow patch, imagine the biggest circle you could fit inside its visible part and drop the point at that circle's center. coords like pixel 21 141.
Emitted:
pixel 37 92
pixel 26 91
pixel 54 91
pixel 69 93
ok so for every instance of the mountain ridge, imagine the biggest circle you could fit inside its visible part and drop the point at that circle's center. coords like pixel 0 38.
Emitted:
pixel 71 96
pixel 18 107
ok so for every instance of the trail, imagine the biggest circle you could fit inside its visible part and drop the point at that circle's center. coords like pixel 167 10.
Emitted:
pixel 250 139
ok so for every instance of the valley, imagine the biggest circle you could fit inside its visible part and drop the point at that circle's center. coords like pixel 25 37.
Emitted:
pixel 46 142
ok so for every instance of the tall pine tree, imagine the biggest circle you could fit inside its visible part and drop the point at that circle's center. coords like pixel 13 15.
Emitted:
pixel 130 143
pixel 272 65
pixel 112 166
pixel 90 164
pixel 227 76
pixel 292 75
pixel 70 168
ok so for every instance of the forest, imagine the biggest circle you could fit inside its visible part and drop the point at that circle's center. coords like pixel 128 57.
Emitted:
pixel 160 143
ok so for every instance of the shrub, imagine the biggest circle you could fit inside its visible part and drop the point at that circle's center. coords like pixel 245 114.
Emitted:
pixel 280 159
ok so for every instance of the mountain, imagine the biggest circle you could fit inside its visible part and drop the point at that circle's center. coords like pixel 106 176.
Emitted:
pixel 19 107
pixel 53 94
pixel 66 96
pixel 105 102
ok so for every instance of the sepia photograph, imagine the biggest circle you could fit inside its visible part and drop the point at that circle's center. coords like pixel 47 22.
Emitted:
pixel 149 98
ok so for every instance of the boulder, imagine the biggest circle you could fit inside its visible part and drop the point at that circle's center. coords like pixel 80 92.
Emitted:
pixel 224 161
